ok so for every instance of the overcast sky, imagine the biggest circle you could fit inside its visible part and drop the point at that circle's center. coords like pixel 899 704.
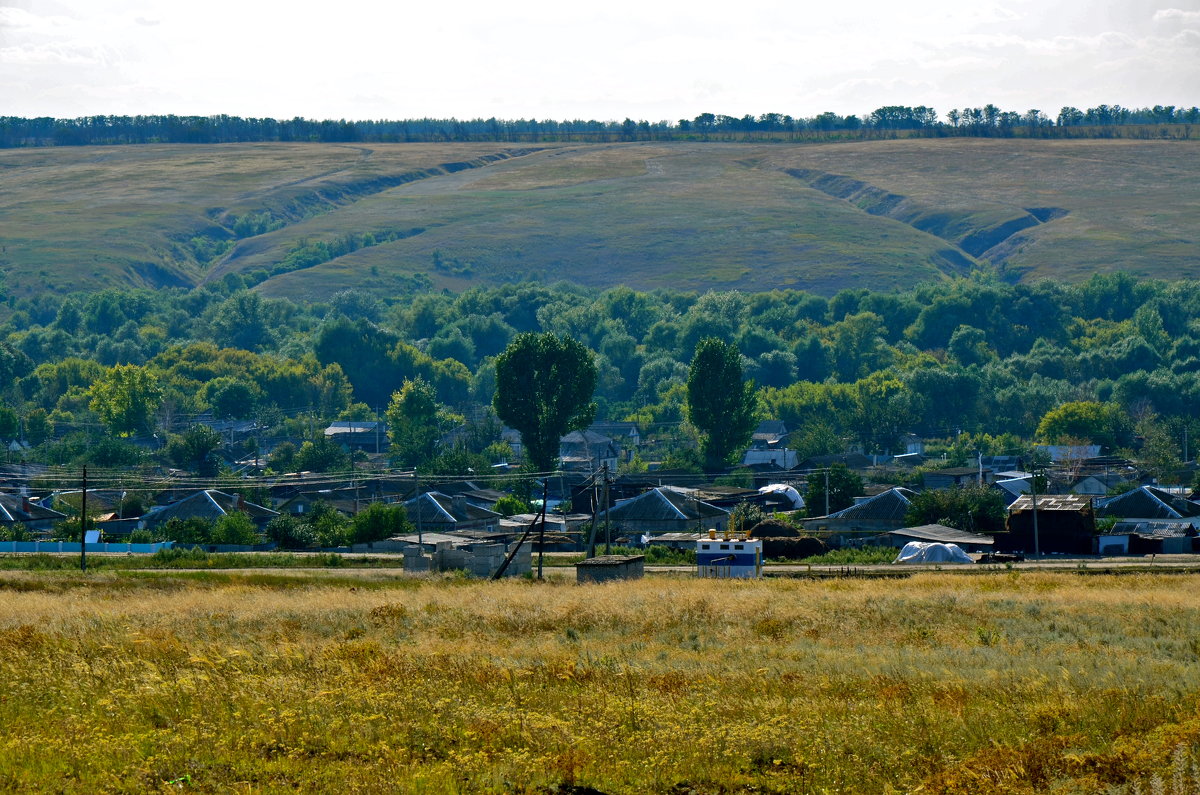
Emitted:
pixel 653 59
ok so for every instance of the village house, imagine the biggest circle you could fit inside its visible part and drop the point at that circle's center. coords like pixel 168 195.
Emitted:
pixel 665 510
pixel 768 445
pixel 871 515
pixel 956 476
pixel 587 451
pixel 1148 502
pixel 441 513
pixel 18 509
pixel 211 505
pixel 370 437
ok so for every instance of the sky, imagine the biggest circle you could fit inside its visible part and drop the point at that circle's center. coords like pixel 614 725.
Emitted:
pixel 548 59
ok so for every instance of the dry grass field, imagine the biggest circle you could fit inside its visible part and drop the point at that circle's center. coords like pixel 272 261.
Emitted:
pixel 688 215
pixel 1000 682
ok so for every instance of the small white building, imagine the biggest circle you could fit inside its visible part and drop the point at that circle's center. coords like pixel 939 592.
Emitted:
pixel 728 557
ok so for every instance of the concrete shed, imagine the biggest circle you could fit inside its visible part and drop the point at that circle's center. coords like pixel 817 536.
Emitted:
pixel 611 567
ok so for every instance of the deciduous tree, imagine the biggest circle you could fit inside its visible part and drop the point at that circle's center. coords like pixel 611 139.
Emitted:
pixel 544 386
pixel 126 398
pixel 719 403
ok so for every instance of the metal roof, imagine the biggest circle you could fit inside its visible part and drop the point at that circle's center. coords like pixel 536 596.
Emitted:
pixel 942 534
pixel 891 504
pixel 1052 502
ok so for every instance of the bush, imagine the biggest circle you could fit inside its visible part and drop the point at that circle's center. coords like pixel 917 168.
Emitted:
pixel 329 528
pixel 745 515
pixel 16 532
pixel 379 521
pixel 187 531
pixel 235 528
pixel 288 532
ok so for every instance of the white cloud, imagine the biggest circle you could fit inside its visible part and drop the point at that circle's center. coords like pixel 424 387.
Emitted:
pixel 1176 14
pixel 51 54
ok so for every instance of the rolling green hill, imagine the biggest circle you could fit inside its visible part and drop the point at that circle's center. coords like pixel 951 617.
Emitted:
pixel 304 220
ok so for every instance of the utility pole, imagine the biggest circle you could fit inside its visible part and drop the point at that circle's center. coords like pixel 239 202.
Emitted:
pixel 827 491
pixel 417 503
pixel 542 524
pixel 1033 490
pixel 83 524
pixel 607 524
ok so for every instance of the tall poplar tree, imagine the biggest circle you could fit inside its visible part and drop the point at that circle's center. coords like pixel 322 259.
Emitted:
pixel 719 403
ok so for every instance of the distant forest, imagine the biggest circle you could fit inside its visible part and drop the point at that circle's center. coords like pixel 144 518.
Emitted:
pixel 1102 121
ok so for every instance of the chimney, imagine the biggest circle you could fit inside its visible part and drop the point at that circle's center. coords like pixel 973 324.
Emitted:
pixel 459 503
pixel 25 504
pixel 240 501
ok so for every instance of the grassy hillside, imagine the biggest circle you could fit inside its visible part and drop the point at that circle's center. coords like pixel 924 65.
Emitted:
pixel 311 218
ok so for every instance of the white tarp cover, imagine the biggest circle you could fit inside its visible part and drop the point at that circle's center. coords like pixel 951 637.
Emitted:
pixel 786 490
pixel 931 552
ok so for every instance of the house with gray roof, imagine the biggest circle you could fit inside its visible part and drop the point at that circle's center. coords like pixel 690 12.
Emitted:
pixel 211 505
pixel 19 509
pixel 666 510
pixel 885 511
pixel 442 513
pixel 587 451
pixel 1148 502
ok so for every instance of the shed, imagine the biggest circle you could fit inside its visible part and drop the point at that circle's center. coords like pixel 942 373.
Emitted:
pixel 941 534
pixel 605 568
pixel 1065 525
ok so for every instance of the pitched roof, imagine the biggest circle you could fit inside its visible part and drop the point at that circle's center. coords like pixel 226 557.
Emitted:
pixel 209 504
pixel 1147 502
pixel 663 504
pixel 1052 502
pixel 591 437
pixel 851 460
pixel 343 426
pixel 942 534
pixel 438 508
pixel 16 508
pixel 889 505
pixel 1160 528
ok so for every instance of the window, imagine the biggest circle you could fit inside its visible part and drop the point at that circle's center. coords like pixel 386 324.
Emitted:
pixel 724 546
pixel 738 546
pixel 704 546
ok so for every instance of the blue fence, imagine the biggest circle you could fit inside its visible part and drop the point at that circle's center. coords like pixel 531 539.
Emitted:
pixel 73 546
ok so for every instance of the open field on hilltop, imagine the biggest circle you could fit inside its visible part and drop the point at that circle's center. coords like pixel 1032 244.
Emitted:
pixel 1010 682
pixel 685 215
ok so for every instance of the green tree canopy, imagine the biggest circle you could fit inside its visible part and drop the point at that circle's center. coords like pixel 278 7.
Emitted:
pixel 544 386
pixel 844 486
pixel 125 398
pixel 1104 424
pixel 194 448
pixel 719 403
pixel 322 456
pixel 415 422
pixel 974 508
pixel 378 522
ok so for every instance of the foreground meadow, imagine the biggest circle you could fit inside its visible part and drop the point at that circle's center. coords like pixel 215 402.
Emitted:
pixel 1001 682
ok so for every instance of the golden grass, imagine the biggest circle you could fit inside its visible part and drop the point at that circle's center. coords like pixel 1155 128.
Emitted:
pixel 1000 683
